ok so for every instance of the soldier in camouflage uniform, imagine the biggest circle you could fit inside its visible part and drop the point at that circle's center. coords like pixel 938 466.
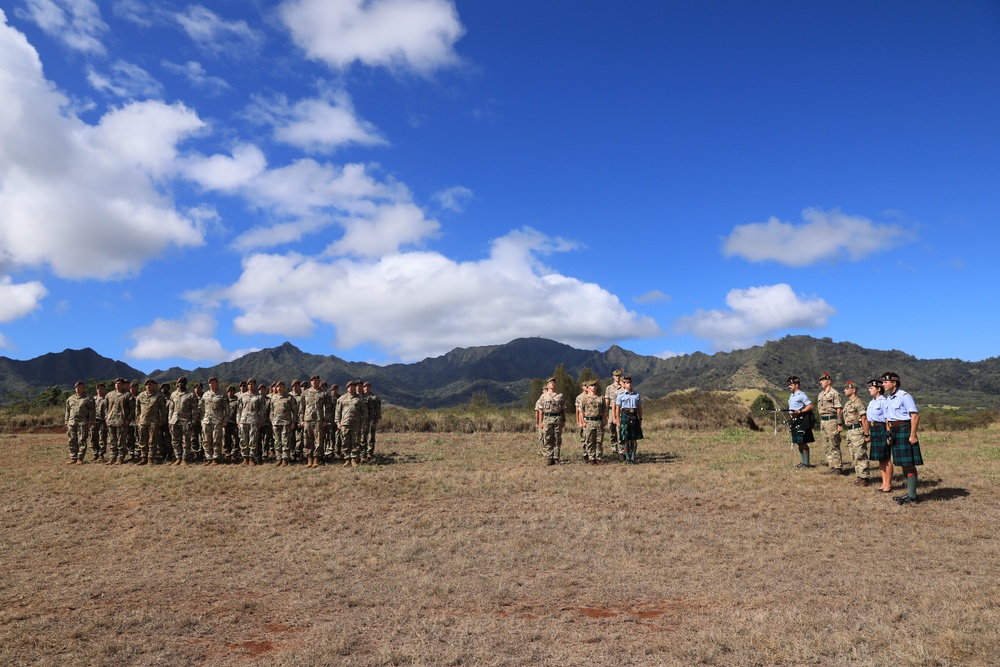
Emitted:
pixel 231 437
pixel 336 436
pixel 265 433
pixel 591 417
pixel 374 405
pixel 550 418
pixel 182 414
pixel 284 413
pixel 99 434
pixel 197 451
pixel 326 450
pixel 248 417
pixel 215 411
pixel 297 438
pixel 163 449
pixel 133 431
pixel 119 417
pixel 150 413
pixel 831 414
pixel 79 421
pixel 854 418
pixel 312 420
pixel 610 394
pixel 348 415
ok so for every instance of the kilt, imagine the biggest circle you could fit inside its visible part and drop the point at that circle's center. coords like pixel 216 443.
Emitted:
pixel 631 427
pixel 879 449
pixel 800 434
pixel 903 453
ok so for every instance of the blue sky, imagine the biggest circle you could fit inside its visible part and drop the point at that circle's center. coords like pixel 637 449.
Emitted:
pixel 181 183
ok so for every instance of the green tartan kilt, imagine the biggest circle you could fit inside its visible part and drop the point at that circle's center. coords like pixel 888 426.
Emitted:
pixel 879 449
pixel 631 428
pixel 904 454
pixel 800 434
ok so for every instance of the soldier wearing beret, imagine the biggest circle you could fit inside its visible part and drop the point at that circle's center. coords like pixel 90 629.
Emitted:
pixel 550 417
pixel 150 413
pixel 119 417
pixel 610 394
pixel 854 429
pixel 99 434
pixel 348 415
pixel 800 420
pixel 901 419
pixel 591 417
pixel 628 414
pixel 374 405
pixel 831 424
pixel 182 414
pixel 79 421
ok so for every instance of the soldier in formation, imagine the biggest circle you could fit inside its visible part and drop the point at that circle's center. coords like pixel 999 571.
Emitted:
pixel 628 415
pixel 591 417
pixel 550 417
pixel 79 422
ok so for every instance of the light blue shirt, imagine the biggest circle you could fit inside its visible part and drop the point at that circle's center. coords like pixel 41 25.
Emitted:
pixel 628 399
pixel 798 400
pixel 876 409
pixel 898 406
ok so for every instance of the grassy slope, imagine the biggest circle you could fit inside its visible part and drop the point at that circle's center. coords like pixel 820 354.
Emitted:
pixel 465 550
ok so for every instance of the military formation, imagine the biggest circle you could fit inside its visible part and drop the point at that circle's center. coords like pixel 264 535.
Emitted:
pixel 620 406
pixel 247 424
pixel 884 430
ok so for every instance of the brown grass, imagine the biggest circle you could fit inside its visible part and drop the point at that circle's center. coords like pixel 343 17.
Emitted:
pixel 465 550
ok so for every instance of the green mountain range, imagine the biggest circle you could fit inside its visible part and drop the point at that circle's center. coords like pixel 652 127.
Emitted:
pixel 504 372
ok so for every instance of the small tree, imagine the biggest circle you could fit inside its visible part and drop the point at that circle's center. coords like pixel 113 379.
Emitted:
pixel 762 403
pixel 534 391
pixel 565 384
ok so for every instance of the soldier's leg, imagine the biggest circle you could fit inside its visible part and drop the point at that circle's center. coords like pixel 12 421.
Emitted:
pixel 73 442
pixel 549 441
pixel 559 435
pixel 831 444
pixel 859 453
pixel 372 429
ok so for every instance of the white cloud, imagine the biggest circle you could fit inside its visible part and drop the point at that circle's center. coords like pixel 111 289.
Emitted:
pixel 211 32
pixel 197 76
pixel 827 235
pixel 454 198
pixel 5 343
pixel 17 300
pixel 320 125
pixel 653 296
pixel 306 196
pixel 418 35
pixel 76 23
pixel 418 304
pixel 136 11
pixel 753 313
pixel 125 80
pixel 667 354
pixel 192 338
pixel 84 199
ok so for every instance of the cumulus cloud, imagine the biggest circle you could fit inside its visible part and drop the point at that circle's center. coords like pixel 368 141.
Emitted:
pixel 825 236
pixel 86 200
pixel 653 296
pixel 303 197
pixel 417 35
pixel 319 125
pixel 213 33
pixel 125 80
pixel 197 76
pixel 17 300
pixel 76 23
pixel 419 304
pixel 454 198
pixel 191 338
pixel 754 313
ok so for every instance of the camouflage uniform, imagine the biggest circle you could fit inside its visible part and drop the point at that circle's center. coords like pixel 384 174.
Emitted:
pixel 231 432
pixel 119 416
pixel 265 432
pixel 593 412
pixel 312 415
pixel 248 417
pixel 283 416
pixel 132 439
pixel 348 415
pixel 296 437
pixel 181 416
pixel 829 406
pixel 553 408
pixel 610 394
pixel 99 434
pixel 854 409
pixel 150 413
pixel 374 417
pixel 79 420
pixel 215 411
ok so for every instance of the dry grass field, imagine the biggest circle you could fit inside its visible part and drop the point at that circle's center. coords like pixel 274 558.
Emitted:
pixel 463 549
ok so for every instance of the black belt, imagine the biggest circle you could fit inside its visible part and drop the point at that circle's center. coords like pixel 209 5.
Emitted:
pixel 851 427
pixel 553 414
pixel 593 419
pixel 629 410
pixel 826 417
pixel 899 422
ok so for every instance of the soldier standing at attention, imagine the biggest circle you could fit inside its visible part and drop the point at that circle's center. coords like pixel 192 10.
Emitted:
pixel 150 413
pixel 628 414
pixel 610 394
pixel 296 436
pixel 312 420
pixel 348 418
pixel 284 412
pixel 196 443
pixel 854 418
pixel 215 411
pixel 163 450
pixel 831 414
pixel 878 445
pixel 119 418
pixel 182 414
pixel 591 416
pixel 374 417
pixel 79 422
pixel 133 431
pixel 249 419
pixel 265 435
pixel 326 450
pixel 799 406
pixel 550 418
pixel 99 434
pixel 231 438
pixel 336 437
pixel 901 419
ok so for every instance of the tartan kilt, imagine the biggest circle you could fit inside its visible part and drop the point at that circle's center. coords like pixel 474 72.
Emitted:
pixel 800 434
pixel 879 449
pixel 630 429
pixel 903 453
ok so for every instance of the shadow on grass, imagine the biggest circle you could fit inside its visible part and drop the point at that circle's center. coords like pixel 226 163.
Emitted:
pixel 946 493
pixel 394 458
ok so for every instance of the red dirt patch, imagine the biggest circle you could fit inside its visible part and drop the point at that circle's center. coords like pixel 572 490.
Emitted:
pixel 254 648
